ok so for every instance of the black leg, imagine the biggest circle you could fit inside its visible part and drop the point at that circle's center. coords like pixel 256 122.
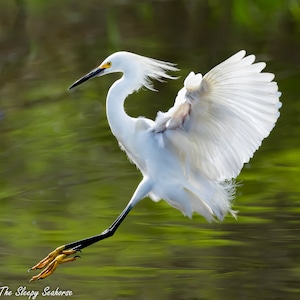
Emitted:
pixel 79 245
pixel 62 254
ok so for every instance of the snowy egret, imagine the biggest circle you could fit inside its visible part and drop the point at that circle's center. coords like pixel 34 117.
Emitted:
pixel 190 155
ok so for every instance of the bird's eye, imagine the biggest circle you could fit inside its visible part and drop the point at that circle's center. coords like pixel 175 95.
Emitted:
pixel 106 65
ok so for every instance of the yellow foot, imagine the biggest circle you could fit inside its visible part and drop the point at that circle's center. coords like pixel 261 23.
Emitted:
pixel 51 262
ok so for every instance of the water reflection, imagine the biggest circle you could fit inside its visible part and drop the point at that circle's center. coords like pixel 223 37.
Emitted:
pixel 63 176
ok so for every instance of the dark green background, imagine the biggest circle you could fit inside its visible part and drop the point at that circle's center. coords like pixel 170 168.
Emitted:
pixel 63 177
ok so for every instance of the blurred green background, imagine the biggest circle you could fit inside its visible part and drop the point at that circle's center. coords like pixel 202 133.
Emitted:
pixel 63 176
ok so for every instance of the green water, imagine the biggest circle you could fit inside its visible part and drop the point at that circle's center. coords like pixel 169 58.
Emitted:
pixel 63 176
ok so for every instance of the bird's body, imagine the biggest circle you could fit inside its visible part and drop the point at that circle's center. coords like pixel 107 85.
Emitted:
pixel 190 155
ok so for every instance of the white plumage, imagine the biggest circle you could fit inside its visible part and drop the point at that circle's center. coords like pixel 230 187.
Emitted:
pixel 221 120
pixel 190 155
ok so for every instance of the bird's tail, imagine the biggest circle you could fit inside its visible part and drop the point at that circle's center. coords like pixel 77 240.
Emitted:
pixel 217 195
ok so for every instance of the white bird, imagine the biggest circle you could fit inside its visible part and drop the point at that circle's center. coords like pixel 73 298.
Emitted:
pixel 189 155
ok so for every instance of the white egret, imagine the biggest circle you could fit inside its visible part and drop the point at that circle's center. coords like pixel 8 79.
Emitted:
pixel 190 155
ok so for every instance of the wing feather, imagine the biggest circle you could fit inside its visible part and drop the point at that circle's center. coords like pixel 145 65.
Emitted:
pixel 220 120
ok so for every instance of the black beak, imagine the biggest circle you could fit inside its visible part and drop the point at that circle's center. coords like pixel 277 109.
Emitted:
pixel 86 77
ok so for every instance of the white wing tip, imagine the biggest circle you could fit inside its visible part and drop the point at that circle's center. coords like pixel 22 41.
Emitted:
pixel 239 55
pixel 242 52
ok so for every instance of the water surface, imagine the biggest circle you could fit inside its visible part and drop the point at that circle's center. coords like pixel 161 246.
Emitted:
pixel 63 176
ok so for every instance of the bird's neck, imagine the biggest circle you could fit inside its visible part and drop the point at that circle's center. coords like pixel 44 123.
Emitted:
pixel 122 125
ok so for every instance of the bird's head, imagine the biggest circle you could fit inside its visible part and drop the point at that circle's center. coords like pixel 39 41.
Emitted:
pixel 139 68
pixel 109 65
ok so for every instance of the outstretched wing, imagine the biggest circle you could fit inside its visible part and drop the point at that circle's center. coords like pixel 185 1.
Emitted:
pixel 220 120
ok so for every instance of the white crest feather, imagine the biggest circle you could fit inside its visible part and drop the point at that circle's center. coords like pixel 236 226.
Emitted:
pixel 154 69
